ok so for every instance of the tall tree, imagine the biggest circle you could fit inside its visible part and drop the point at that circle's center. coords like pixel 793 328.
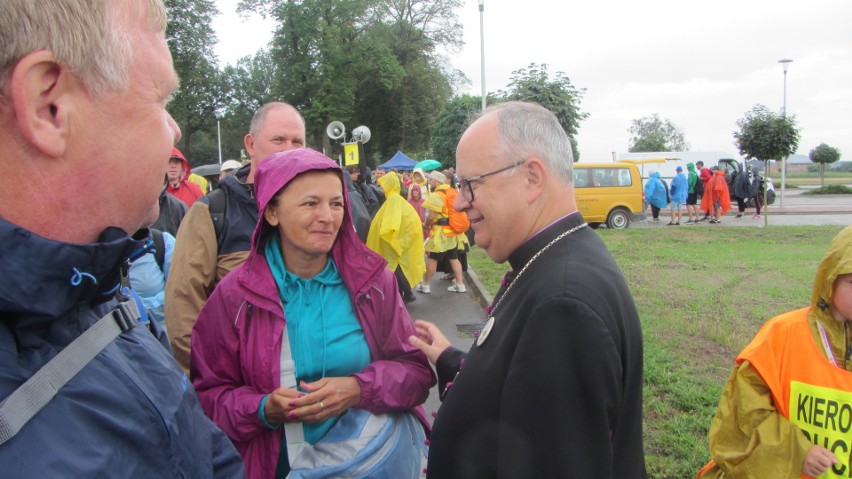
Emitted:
pixel 247 86
pixel 369 62
pixel 765 135
pixel 824 155
pixel 191 39
pixel 318 50
pixel 450 124
pixel 652 133
pixel 404 110
pixel 558 95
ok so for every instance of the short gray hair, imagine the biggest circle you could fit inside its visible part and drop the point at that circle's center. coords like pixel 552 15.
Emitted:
pixel 89 36
pixel 258 121
pixel 528 129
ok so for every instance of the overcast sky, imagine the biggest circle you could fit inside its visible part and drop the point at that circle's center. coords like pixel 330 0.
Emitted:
pixel 702 65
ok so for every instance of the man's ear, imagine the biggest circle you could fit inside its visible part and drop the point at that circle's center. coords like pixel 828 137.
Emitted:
pixel 42 93
pixel 248 141
pixel 536 178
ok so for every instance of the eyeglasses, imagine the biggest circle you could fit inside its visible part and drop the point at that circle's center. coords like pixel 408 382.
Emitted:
pixel 467 184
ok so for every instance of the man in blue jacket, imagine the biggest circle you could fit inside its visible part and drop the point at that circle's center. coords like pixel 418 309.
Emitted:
pixel 83 88
pixel 678 193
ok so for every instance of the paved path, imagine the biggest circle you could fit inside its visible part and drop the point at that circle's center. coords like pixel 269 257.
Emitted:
pixel 798 210
pixel 451 312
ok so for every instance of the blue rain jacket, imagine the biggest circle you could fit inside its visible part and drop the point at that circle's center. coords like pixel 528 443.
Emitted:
pixel 655 191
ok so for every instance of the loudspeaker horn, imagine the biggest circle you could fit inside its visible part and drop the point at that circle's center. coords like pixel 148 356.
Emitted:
pixel 361 133
pixel 335 130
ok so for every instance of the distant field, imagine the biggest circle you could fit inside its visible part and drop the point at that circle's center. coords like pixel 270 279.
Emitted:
pixel 812 179
pixel 701 295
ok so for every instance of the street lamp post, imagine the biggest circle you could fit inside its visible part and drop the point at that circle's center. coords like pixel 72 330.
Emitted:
pixel 784 64
pixel 219 136
pixel 482 46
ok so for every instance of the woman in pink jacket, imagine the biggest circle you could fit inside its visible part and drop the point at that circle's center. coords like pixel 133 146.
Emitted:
pixel 345 322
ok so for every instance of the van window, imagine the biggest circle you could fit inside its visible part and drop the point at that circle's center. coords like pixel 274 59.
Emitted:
pixel 601 177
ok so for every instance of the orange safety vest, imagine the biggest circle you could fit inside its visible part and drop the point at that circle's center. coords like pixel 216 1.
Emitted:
pixel 806 387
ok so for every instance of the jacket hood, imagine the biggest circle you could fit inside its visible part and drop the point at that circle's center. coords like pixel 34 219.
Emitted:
pixel 418 171
pixel 837 261
pixel 187 168
pixel 655 175
pixel 352 258
pixel 390 185
pixel 690 167
pixel 279 170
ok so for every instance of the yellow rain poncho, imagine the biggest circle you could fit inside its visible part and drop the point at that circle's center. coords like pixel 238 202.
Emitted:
pixel 442 238
pixel 749 438
pixel 396 232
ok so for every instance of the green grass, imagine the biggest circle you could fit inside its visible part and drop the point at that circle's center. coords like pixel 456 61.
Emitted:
pixel 701 295
pixel 812 179
pixel 834 189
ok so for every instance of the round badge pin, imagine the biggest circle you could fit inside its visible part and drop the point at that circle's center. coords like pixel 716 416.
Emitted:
pixel 485 331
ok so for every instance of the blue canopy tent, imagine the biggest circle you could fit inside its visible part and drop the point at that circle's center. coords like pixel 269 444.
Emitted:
pixel 399 161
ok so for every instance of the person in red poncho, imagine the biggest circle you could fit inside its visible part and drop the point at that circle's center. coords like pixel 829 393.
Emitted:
pixel 177 176
pixel 717 198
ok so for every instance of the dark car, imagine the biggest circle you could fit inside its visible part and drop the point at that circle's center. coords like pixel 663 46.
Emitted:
pixel 733 168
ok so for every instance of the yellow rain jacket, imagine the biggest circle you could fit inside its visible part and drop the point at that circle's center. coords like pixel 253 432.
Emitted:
pixel 201 182
pixel 752 438
pixel 396 232
pixel 442 238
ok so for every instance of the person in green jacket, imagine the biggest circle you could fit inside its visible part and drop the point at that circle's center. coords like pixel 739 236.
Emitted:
pixel 692 195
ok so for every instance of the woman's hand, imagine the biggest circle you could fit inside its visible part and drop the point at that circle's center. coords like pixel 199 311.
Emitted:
pixel 277 407
pixel 429 339
pixel 326 398
pixel 817 461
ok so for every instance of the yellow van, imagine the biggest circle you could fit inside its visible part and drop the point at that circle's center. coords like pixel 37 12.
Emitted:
pixel 609 193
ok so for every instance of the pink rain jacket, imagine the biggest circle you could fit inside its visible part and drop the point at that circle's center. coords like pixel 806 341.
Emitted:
pixel 236 342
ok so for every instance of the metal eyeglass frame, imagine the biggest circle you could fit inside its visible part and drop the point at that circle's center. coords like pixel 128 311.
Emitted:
pixel 467 184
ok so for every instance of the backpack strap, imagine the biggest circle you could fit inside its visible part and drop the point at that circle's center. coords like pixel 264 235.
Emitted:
pixel 26 401
pixel 217 202
pixel 446 209
pixel 159 248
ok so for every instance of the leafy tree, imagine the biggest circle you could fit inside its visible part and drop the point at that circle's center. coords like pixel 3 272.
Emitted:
pixel 370 62
pixel 318 48
pixel 247 86
pixel 191 39
pixel 411 31
pixel 652 133
pixel 765 135
pixel 824 155
pixel 450 124
pixel 533 84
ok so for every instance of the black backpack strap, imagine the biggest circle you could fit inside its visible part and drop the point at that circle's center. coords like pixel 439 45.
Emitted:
pixel 216 203
pixel 159 248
